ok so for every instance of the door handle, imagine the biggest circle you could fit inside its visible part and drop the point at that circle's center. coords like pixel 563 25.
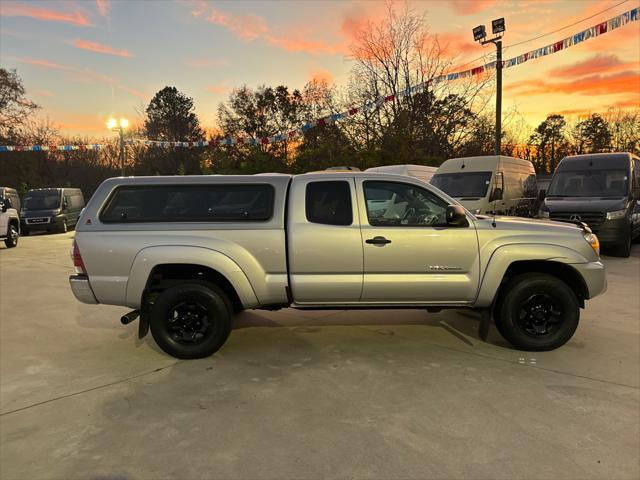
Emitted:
pixel 377 241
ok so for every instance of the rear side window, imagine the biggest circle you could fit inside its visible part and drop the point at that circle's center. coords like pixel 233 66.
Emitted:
pixel 189 203
pixel 329 203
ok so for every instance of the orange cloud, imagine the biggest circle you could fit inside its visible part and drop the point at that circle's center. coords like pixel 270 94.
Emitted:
pixel 42 93
pixel 83 75
pixel 457 43
pixel 469 7
pixel 218 89
pixel 103 7
pixel 100 48
pixel 42 63
pixel 592 65
pixel 134 92
pixel 623 82
pixel 251 27
pixel 359 15
pixel 44 14
pixel 321 76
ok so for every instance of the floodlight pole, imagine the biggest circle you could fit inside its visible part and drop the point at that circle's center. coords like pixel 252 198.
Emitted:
pixel 121 132
pixel 498 45
pixel 497 41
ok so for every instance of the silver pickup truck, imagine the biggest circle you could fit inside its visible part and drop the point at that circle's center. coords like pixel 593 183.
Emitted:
pixel 186 253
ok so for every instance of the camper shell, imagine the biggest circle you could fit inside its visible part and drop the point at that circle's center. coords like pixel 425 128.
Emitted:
pixel 421 172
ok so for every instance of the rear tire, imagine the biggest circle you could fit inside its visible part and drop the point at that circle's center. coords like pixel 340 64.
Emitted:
pixel 12 237
pixel 538 312
pixel 191 320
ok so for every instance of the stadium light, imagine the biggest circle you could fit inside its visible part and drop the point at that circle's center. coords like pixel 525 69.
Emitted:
pixel 120 126
pixel 497 26
pixel 479 35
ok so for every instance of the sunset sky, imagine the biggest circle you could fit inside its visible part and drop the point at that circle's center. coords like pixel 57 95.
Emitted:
pixel 84 61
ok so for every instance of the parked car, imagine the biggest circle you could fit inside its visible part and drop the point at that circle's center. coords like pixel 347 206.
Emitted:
pixel 490 184
pixel 186 253
pixel 422 172
pixel 9 221
pixel 602 190
pixel 12 195
pixel 51 209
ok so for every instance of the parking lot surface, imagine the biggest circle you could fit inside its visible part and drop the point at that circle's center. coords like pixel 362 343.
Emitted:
pixel 295 394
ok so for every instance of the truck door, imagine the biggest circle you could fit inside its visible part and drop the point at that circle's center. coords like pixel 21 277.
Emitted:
pixel 324 241
pixel 410 255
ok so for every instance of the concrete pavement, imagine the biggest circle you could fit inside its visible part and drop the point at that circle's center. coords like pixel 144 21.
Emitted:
pixel 294 394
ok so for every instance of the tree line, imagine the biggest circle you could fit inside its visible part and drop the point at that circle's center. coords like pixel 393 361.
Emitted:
pixel 443 121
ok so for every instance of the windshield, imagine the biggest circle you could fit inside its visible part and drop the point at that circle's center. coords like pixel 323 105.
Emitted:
pixel 468 184
pixel 589 183
pixel 48 201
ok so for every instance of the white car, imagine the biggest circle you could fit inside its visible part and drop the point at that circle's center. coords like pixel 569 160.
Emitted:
pixel 9 223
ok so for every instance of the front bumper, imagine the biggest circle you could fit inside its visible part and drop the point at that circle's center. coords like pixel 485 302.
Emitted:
pixel 595 277
pixel 82 289
pixel 611 232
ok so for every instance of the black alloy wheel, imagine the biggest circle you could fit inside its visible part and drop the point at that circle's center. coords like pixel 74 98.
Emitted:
pixel 188 322
pixel 540 315
pixel 191 319
pixel 537 312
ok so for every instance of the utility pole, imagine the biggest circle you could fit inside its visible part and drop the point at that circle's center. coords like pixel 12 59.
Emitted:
pixel 121 132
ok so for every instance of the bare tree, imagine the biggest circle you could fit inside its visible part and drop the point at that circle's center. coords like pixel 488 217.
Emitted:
pixel 390 57
pixel 15 107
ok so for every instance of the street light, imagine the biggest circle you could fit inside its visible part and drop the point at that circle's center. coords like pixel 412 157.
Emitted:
pixel 120 126
pixel 479 35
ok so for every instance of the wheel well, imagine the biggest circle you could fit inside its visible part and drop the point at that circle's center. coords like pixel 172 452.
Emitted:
pixel 165 276
pixel 564 272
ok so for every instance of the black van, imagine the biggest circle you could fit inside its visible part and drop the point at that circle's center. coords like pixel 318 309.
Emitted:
pixel 601 190
pixel 51 209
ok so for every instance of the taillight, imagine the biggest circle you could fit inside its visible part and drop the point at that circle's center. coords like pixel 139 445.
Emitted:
pixel 78 263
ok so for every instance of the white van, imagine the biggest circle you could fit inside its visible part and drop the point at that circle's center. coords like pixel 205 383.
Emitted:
pixel 500 184
pixel 421 172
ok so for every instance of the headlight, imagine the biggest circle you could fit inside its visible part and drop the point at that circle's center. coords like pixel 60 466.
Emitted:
pixel 543 213
pixel 617 214
pixel 592 240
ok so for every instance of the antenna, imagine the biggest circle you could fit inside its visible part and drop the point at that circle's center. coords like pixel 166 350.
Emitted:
pixel 495 199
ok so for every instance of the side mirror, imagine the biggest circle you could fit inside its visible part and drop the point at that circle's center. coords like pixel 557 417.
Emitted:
pixel 542 194
pixel 456 216
pixel 4 207
pixel 496 194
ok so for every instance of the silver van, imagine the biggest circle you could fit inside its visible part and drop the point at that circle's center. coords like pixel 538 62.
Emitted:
pixel 490 184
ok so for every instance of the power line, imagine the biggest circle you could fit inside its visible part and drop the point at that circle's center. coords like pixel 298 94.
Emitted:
pixel 541 36
pixel 566 26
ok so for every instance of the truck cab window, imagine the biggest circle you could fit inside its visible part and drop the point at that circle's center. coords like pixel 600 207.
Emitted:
pixel 329 203
pixel 401 204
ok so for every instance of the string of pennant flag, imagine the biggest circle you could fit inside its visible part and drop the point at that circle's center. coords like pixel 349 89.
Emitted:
pixel 591 32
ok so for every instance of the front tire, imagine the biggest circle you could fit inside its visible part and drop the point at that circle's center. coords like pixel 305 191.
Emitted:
pixel 191 320
pixel 624 247
pixel 12 237
pixel 538 312
pixel 64 228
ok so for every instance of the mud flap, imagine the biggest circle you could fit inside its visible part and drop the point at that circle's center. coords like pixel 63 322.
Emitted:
pixel 485 324
pixel 143 326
